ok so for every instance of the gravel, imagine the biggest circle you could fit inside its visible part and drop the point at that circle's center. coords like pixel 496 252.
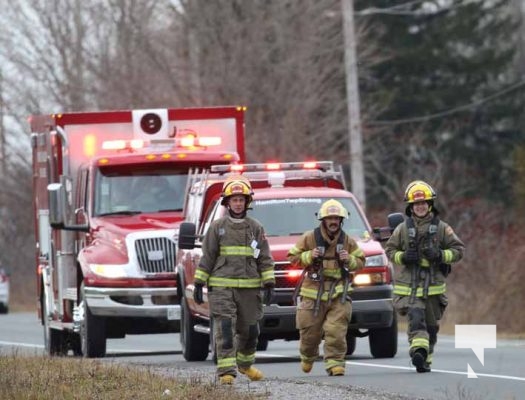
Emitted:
pixel 284 389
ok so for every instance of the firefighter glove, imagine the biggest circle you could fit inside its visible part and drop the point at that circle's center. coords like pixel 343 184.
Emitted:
pixel 410 256
pixel 433 254
pixel 268 294
pixel 197 293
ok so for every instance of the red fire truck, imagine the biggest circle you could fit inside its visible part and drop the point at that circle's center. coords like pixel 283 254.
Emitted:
pixel 109 190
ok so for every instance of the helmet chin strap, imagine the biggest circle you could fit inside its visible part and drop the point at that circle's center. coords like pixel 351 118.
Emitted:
pixel 236 215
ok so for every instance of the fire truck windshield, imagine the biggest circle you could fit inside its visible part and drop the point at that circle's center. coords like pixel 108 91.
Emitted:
pixel 294 216
pixel 138 191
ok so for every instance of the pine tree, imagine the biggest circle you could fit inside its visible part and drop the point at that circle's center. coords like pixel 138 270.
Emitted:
pixel 453 99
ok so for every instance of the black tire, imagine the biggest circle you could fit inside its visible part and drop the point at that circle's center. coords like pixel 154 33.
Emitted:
pixel 350 343
pixel 262 344
pixel 4 308
pixel 213 345
pixel 92 331
pixel 54 339
pixel 195 345
pixel 383 341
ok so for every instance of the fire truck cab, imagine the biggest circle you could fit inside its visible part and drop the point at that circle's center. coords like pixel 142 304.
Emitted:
pixel 109 192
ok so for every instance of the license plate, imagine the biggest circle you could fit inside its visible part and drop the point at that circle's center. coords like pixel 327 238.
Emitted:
pixel 173 313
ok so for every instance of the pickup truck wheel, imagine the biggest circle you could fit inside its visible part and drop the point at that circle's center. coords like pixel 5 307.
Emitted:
pixel 213 345
pixel 194 344
pixel 350 343
pixel 262 344
pixel 383 341
pixel 54 339
pixel 92 331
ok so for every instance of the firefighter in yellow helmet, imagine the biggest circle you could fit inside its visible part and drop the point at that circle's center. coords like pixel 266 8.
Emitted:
pixel 327 256
pixel 425 247
pixel 235 264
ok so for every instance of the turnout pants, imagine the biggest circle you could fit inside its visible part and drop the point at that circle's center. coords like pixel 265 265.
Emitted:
pixel 423 321
pixel 331 323
pixel 235 317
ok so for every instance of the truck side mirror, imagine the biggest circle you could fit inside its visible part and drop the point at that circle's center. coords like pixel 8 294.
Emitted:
pixel 187 236
pixel 59 209
pixel 57 200
pixel 394 220
pixel 382 234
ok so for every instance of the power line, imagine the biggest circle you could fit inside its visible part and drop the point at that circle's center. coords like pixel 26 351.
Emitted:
pixel 449 111
pixel 400 9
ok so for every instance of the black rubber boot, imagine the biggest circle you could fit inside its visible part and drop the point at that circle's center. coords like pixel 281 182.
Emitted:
pixel 419 360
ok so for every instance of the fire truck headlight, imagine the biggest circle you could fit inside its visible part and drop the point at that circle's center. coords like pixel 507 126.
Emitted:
pixel 375 261
pixel 109 270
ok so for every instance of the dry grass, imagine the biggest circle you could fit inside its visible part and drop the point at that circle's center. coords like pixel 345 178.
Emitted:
pixel 50 378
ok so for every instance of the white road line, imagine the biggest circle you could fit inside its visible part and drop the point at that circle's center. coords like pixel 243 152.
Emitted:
pixel 3 343
pixel 398 367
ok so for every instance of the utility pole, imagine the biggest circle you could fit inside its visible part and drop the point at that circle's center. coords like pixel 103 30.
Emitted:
pixel 2 131
pixel 352 98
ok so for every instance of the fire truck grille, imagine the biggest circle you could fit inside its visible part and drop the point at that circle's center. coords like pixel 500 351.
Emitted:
pixel 156 255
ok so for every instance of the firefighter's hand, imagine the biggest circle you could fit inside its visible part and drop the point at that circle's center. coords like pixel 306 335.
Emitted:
pixel 268 293
pixel 433 254
pixel 343 255
pixel 197 293
pixel 315 253
pixel 410 256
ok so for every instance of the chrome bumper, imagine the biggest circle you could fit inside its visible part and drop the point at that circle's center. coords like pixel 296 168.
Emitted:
pixel 104 302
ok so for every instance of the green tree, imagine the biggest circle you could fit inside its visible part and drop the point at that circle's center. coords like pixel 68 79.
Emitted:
pixel 453 99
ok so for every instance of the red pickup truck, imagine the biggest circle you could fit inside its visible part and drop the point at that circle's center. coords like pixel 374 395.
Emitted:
pixel 285 202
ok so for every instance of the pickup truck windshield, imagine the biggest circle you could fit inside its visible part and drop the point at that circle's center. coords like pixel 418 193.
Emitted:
pixel 294 216
pixel 118 192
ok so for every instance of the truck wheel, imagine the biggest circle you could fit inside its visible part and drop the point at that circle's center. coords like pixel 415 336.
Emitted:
pixel 92 331
pixel 350 343
pixel 383 341
pixel 4 308
pixel 54 339
pixel 194 344
pixel 262 344
pixel 213 345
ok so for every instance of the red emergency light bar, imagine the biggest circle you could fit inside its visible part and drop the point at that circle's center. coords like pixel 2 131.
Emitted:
pixel 187 142
pixel 287 166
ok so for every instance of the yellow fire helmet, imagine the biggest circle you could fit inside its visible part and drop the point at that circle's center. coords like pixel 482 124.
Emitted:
pixel 234 185
pixel 332 208
pixel 419 191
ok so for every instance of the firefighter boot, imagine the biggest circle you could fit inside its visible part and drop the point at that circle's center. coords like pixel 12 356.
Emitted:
pixel 226 379
pixel 419 360
pixel 306 366
pixel 336 371
pixel 253 373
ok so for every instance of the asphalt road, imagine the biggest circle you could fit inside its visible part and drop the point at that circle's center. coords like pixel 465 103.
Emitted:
pixel 502 376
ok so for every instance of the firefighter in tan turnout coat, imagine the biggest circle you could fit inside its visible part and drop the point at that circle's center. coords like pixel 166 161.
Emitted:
pixel 235 264
pixel 328 257
pixel 425 247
